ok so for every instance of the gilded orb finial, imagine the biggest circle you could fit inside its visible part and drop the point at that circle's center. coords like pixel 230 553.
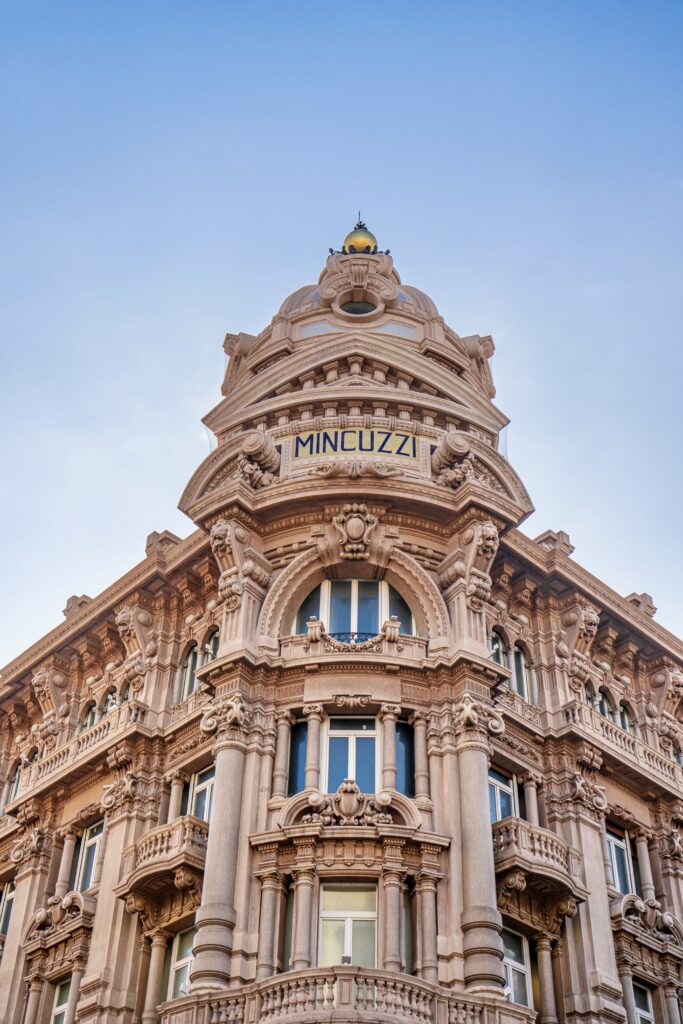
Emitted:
pixel 360 240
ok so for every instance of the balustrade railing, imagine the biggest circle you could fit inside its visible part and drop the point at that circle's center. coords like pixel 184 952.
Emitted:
pixel 536 846
pixel 184 837
pixel 580 714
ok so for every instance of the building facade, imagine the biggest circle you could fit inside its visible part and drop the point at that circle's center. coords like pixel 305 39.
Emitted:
pixel 357 749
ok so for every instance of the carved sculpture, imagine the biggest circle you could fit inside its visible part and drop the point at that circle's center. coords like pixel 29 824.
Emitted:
pixel 355 525
pixel 234 549
pixel 348 806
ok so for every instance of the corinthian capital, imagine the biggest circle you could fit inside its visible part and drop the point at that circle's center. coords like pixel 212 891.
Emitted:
pixel 475 716
pixel 227 716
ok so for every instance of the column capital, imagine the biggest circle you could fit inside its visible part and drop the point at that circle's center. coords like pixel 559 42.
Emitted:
pixel 177 775
pixel 392 876
pixel 472 718
pixel 643 834
pixel 426 883
pixel 272 879
pixel 303 875
pixel 624 970
pixel 160 937
pixel 229 718
pixel 419 717
pixel 389 711
pixel 530 778
pixel 69 832
pixel 314 711
pixel 543 942
pixel 285 717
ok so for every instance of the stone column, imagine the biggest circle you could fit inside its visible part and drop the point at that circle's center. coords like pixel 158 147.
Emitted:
pixel 672 1005
pixel 545 980
pixel 481 921
pixel 153 995
pixel 644 865
pixel 303 906
pixel 387 715
pixel 426 890
pixel 178 781
pixel 315 714
pixel 285 721
pixel 66 861
pixel 393 891
pixel 101 850
pixel 556 957
pixel 531 782
pixel 626 979
pixel 33 1002
pixel 419 724
pixel 74 991
pixel 271 887
pixel 605 853
pixel 216 916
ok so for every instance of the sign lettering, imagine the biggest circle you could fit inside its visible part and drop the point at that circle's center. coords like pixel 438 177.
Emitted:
pixel 354 440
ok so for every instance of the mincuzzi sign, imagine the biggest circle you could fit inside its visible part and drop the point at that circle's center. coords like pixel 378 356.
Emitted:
pixel 354 441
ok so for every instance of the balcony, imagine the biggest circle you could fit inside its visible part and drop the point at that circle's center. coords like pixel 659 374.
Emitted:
pixel 636 759
pixel 150 866
pixel 550 865
pixel 389 643
pixel 342 994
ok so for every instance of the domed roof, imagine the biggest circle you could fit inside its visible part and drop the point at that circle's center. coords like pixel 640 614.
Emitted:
pixel 420 300
pixel 299 299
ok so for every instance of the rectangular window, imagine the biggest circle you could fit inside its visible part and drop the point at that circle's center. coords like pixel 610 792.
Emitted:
pixel 6 904
pixel 348 925
pixel 643 1001
pixel 517 967
pixel 201 793
pixel 85 855
pixel 351 753
pixel 501 795
pixel 621 865
pixel 181 962
pixel 61 999
pixel 405 759
pixel 297 758
pixel 340 607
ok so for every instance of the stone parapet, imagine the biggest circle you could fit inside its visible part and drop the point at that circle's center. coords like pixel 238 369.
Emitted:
pixel 538 852
pixel 157 855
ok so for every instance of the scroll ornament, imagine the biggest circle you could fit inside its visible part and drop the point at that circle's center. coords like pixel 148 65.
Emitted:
pixel 477 716
pixel 238 560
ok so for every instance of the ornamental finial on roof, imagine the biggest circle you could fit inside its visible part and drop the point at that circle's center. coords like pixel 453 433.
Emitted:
pixel 359 241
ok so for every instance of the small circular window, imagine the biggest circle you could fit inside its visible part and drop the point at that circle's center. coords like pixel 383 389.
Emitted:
pixel 357 308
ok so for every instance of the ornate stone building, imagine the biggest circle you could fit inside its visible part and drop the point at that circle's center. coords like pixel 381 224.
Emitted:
pixel 357 749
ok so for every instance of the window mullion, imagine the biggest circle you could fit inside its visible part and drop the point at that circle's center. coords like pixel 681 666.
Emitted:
pixel 352 758
pixel 354 606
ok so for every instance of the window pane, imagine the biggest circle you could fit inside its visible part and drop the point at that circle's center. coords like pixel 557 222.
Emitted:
pixel 641 995
pixel 350 897
pixel 365 763
pixel 340 606
pixel 399 608
pixel 368 607
pixel 180 981
pixel 622 879
pixel 513 946
pixel 492 804
pixel 185 941
pixel 206 775
pixel 505 803
pixel 338 762
pixel 331 943
pixel 352 724
pixel 62 993
pixel 405 759
pixel 289 921
pixel 60 1017
pixel 74 863
pixel 520 673
pixel 297 758
pixel 6 914
pixel 519 988
pixel 88 865
pixel 504 780
pixel 308 610
pixel 199 808
pixel 363 948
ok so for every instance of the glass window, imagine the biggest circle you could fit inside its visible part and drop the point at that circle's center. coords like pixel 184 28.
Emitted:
pixel 15 784
pixel 351 753
pixel 620 861
pixel 89 717
pixel 605 707
pixel 497 648
pixel 520 676
pixel 210 647
pixel 405 759
pixel 181 962
pixel 348 925
pixel 201 793
pixel 289 924
pixel 6 903
pixel 501 795
pixel 108 704
pixel 85 855
pixel 310 609
pixel 297 758
pixel 408 934
pixel 516 965
pixel 643 1001
pixel 625 718
pixel 188 673
pixel 354 608
pixel 58 1015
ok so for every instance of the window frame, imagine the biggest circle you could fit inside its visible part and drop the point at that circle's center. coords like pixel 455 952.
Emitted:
pixel 6 905
pixel 497 646
pixel 644 1016
pixel 498 786
pixel 187 676
pixel 15 783
pixel 58 1013
pixel 510 965
pixel 522 687
pixel 176 965
pixel 614 840
pixel 384 605
pixel 348 917
pixel 199 787
pixel 88 839
pixel 327 733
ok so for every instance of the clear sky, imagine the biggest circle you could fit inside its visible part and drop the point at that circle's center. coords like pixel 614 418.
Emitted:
pixel 171 171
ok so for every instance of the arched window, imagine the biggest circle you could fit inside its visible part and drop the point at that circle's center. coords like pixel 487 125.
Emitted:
pixel 109 703
pixel 589 695
pixel 210 646
pixel 625 718
pixel 188 673
pixel 605 706
pixel 521 675
pixel 89 717
pixel 497 647
pixel 354 609
pixel 15 784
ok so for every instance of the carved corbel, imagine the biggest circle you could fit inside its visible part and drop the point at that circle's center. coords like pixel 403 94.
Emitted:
pixel 508 889
pixel 476 716
pixel 259 459
pixel 147 909
pixel 48 683
pixel 240 558
pixel 471 562
pixel 134 623
pixel 228 717
pixel 581 621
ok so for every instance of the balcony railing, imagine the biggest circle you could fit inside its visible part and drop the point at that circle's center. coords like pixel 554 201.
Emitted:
pixel 629 746
pixel 537 851
pixel 342 994
pixel 157 854
pixel 389 642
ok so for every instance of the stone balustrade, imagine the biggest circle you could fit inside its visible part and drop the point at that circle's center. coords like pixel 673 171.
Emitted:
pixel 181 843
pixel 342 994
pixel 538 852
pixel 630 748
pixel 406 648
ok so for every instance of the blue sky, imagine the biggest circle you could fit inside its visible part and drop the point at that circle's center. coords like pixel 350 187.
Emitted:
pixel 171 171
